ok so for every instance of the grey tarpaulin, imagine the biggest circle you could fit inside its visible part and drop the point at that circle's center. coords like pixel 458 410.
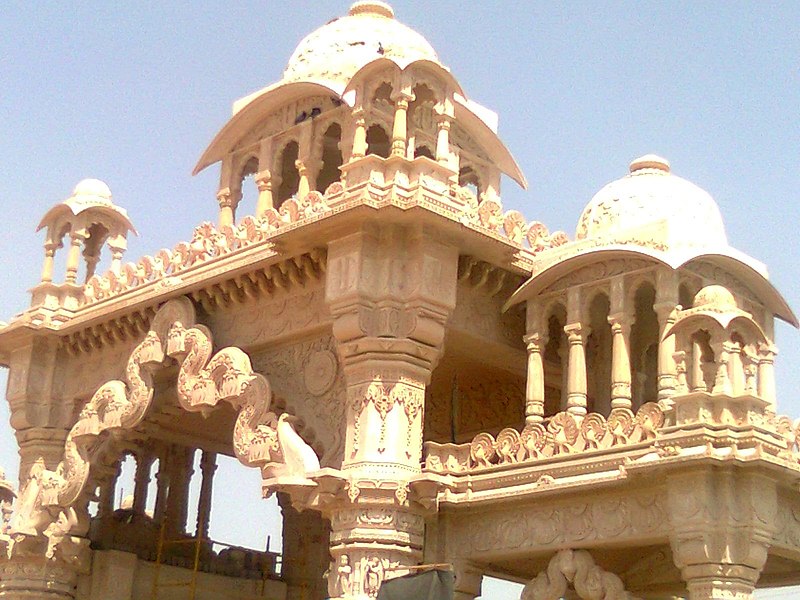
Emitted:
pixel 431 585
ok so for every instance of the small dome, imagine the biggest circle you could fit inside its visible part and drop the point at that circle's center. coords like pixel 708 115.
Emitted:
pixel 715 296
pixel 651 206
pixel 337 50
pixel 91 191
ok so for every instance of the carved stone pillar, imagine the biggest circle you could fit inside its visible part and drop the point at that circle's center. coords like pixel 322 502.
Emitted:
pixel 667 290
pixel 227 200
pixel 50 248
pixel 181 470
pixel 208 465
pixel 359 134
pixel 162 489
pixel 306 536
pixel 766 375
pixel 144 462
pixel 534 389
pixel 264 184
pixel 576 358
pixel 576 369
pixel 443 139
pixel 76 240
pixel 400 128
pixel 305 184
pixel 722 523
pixel 117 252
pixel 390 290
pixel 620 362
pixel 722 350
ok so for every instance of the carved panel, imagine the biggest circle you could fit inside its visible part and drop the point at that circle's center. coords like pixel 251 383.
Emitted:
pixel 254 324
pixel 520 530
pixel 308 377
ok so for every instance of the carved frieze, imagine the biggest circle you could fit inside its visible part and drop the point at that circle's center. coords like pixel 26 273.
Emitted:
pixel 559 524
pixel 277 316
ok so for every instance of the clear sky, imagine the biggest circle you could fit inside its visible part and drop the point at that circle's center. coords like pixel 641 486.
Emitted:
pixel 131 93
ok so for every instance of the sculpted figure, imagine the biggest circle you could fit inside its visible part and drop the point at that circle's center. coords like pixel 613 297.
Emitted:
pixel 373 576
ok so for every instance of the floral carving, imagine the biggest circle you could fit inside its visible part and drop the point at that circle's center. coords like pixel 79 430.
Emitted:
pixel 488 214
pixel 564 434
pixel 208 242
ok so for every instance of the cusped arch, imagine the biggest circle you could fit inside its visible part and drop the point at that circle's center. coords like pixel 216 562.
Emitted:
pixel 260 438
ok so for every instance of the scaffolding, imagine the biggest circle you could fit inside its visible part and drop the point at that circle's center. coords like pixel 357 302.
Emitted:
pixel 191 583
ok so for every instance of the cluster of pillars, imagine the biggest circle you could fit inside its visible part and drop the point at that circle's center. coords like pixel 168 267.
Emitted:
pixel 81 242
pixel 354 146
pixel 176 468
pixel 621 318
pixel 733 371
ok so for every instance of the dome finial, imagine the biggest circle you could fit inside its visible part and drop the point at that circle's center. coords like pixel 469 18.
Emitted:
pixel 372 7
pixel 650 161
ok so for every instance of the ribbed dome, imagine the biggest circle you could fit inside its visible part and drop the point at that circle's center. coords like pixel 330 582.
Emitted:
pixel 650 205
pixel 335 51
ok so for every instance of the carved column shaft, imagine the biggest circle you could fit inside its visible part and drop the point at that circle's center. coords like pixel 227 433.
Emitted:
pixel 359 134
pixel 534 389
pixel 400 128
pixel 667 293
pixel 178 499
pixel 208 465
pixel 576 369
pixel 766 376
pixel 227 199
pixel 443 139
pixel 77 239
pixel 620 362
pixel 265 199
pixel 49 261
pixel 144 461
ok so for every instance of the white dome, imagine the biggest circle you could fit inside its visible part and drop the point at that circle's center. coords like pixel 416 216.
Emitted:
pixel 337 50
pixel 92 190
pixel 651 206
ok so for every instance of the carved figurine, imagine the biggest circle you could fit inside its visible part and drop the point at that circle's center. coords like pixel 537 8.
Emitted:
pixel 373 576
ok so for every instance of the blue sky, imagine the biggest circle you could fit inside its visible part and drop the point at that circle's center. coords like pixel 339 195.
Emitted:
pixel 132 93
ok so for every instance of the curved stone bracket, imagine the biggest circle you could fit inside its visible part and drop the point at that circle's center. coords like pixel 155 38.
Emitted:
pixel 575 568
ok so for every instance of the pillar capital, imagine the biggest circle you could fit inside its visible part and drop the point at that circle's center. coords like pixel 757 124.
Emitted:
pixel 722 523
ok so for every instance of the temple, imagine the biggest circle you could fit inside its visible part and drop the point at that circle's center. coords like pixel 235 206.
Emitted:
pixel 421 376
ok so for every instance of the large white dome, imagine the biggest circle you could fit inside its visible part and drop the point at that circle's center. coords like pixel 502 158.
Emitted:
pixel 337 50
pixel 651 206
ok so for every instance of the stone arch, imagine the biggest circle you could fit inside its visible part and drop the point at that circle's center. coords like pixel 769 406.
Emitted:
pixel 289 177
pixel 331 157
pixel 204 381
pixel 245 180
pixel 378 141
pixel 575 569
